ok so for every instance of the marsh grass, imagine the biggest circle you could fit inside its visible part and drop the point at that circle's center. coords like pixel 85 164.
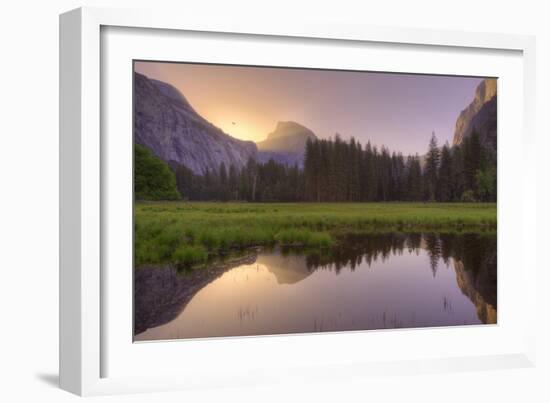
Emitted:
pixel 193 233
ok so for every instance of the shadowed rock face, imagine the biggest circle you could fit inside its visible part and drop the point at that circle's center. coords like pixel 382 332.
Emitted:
pixel 286 144
pixel 481 114
pixel 165 122
pixel 161 293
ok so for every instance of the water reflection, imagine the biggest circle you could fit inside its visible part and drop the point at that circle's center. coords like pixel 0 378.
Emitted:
pixel 371 282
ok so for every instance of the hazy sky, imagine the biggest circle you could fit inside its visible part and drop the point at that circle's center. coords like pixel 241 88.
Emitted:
pixel 396 110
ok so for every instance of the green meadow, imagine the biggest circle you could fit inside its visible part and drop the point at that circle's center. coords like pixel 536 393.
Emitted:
pixel 193 233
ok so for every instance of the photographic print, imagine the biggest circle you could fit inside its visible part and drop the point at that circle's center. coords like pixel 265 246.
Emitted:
pixel 271 200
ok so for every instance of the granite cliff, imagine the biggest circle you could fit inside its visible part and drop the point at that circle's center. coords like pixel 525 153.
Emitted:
pixel 166 123
pixel 480 114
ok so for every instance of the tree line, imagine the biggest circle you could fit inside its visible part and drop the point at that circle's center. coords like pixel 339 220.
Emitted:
pixel 343 171
pixel 255 182
pixel 336 170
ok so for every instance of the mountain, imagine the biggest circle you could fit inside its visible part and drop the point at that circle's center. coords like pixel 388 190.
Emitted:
pixel 286 144
pixel 480 114
pixel 167 124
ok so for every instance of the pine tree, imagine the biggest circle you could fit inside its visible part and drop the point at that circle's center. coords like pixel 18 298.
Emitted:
pixel 370 173
pixel 458 183
pixel 398 177
pixel 326 173
pixel 223 191
pixel 472 159
pixel 232 183
pixel 445 175
pixel 185 182
pixel 414 178
pixel 384 175
pixel 354 163
pixel 311 169
pixel 432 166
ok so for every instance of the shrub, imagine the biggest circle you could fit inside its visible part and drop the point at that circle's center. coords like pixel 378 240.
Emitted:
pixel 153 178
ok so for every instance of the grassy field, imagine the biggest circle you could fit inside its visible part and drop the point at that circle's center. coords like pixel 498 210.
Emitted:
pixel 191 233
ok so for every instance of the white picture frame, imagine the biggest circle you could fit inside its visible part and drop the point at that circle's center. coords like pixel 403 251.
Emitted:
pixel 85 307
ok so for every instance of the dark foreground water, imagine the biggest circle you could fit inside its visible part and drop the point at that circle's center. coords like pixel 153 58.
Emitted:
pixel 374 282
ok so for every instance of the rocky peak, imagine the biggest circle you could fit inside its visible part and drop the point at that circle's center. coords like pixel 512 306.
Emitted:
pixel 286 144
pixel 287 137
pixel 480 114
pixel 485 91
pixel 286 129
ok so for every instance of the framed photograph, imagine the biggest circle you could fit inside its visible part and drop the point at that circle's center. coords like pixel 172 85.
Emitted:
pixel 242 203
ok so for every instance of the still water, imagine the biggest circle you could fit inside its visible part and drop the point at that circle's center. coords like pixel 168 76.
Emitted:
pixel 375 282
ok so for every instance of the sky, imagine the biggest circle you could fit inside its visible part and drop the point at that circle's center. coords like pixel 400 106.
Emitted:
pixel 399 111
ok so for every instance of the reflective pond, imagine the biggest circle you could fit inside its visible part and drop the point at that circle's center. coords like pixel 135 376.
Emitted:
pixel 372 282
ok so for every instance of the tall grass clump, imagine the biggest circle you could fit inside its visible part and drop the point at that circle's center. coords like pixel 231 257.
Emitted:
pixel 303 237
pixel 189 255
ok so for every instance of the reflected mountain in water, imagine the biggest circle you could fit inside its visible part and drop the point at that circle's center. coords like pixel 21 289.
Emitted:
pixel 486 311
pixel 287 268
pixel 161 294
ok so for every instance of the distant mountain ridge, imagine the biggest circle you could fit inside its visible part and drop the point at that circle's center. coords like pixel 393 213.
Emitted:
pixel 166 123
pixel 286 144
pixel 480 114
